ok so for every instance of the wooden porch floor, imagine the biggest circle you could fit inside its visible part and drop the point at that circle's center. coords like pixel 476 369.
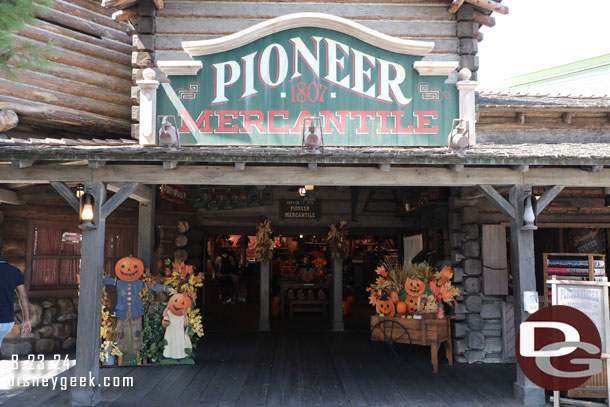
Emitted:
pixel 299 369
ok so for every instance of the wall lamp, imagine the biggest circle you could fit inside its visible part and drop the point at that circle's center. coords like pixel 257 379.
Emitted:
pixel 86 214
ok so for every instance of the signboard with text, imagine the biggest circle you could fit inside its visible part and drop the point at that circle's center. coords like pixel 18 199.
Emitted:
pixel 262 93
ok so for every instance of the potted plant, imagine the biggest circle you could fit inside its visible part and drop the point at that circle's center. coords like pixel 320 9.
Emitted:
pixel 108 353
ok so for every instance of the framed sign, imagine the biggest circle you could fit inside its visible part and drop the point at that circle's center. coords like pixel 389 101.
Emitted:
pixel 300 209
pixel 260 86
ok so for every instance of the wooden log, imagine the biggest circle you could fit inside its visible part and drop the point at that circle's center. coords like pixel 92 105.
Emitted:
pixel 92 6
pixel 490 5
pixel 181 241
pixel 455 5
pixel 180 255
pixel 13 247
pixel 75 43
pixel 83 61
pixel 481 18
pixel 65 6
pixel 183 226
pixel 105 43
pixel 142 59
pixel 135 94
pixel 159 4
pixel 83 25
pixel 15 229
pixel 143 42
pixel 117 85
pixel 8 120
pixel 45 81
pixel 135 131
pixel 51 97
pixel 124 15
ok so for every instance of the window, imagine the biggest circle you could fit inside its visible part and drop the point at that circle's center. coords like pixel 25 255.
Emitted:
pixel 55 250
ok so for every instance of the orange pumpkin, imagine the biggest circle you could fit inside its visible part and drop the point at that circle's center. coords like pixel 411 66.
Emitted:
pixel 129 269
pixel 179 304
pixel 411 303
pixel 165 323
pixel 347 309
pixel 350 299
pixel 401 307
pixel 394 296
pixel 385 306
pixel 415 287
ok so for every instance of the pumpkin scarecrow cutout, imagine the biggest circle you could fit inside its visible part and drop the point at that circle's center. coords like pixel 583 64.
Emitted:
pixel 129 311
pixel 385 306
pixel 176 315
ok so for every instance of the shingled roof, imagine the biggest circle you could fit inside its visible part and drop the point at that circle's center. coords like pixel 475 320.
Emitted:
pixel 541 101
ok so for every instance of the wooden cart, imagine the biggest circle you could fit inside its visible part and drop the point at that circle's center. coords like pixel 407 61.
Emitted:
pixel 426 332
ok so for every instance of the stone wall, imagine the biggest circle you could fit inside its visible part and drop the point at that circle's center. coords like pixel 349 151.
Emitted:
pixel 478 331
pixel 53 328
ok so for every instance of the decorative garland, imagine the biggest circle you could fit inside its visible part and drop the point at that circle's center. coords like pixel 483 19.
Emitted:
pixel 337 239
pixel 264 242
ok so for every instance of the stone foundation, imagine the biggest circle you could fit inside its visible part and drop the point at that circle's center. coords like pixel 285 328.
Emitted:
pixel 53 328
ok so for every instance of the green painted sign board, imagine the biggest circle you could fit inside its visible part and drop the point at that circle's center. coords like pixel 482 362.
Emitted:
pixel 261 94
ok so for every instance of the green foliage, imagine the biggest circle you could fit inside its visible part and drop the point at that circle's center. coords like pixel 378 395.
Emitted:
pixel 14 16
pixel 153 332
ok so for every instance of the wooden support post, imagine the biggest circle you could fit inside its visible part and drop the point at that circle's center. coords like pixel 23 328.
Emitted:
pixel 524 279
pixel 264 322
pixel 148 108
pixel 337 296
pixel 10 197
pixel 146 229
pixel 466 102
pixel 90 304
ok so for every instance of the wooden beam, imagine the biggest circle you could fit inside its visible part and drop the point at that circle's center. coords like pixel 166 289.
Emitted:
pixel 118 198
pixel 547 197
pixel 385 167
pixel 498 200
pixel 119 4
pixel 264 323
pixel 521 168
pixel 142 193
pixel 455 5
pixel 456 167
pixel 10 197
pixel 159 4
pixel 481 18
pixel 67 194
pixel 146 228
pixel 123 15
pixel 170 165
pixel 22 163
pixel 96 163
pixel 295 175
pixel 312 166
pixel 490 5
pixel 90 304
pixel 241 166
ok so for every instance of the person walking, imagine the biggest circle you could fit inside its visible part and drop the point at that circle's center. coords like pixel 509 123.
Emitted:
pixel 11 280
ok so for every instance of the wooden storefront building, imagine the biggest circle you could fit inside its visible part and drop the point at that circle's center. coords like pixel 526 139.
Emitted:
pixel 114 79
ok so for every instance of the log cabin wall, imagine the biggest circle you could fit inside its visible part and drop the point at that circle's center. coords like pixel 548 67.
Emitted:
pixel 53 311
pixel 85 92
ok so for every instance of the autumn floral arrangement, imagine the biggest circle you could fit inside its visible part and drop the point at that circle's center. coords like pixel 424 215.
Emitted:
pixel 108 345
pixel 412 289
pixel 337 236
pixel 264 242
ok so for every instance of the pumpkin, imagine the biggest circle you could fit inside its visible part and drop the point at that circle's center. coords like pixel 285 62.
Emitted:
pixel 350 299
pixel 411 303
pixel 415 287
pixel 165 323
pixel 129 269
pixel 401 307
pixel 347 309
pixel 179 303
pixel 385 306
pixel 394 296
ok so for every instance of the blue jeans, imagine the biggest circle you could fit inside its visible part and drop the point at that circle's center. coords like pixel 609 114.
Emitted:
pixel 5 328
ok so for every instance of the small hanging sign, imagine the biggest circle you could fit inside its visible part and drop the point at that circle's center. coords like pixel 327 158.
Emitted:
pixel 300 209
pixel 173 193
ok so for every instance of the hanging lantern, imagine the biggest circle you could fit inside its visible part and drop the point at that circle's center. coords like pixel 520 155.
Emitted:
pixel 313 139
pixel 302 191
pixel 80 190
pixel 529 217
pixel 87 215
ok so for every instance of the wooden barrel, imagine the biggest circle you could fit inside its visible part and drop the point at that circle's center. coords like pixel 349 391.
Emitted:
pixel 183 226
pixel 180 255
pixel 181 241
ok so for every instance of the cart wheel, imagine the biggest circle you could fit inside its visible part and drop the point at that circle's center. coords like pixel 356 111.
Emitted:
pixel 392 332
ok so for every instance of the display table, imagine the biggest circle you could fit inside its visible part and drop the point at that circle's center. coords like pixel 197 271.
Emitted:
pixel 322 303
pixel 426 332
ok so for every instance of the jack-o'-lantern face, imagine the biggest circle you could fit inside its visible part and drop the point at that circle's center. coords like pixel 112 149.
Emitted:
pixel 129 269
pixel 386 307
pixel 415 287
pixel 178 304
pixel 411 304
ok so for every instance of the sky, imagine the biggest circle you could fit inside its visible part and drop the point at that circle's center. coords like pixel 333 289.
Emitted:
pixel 539 34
